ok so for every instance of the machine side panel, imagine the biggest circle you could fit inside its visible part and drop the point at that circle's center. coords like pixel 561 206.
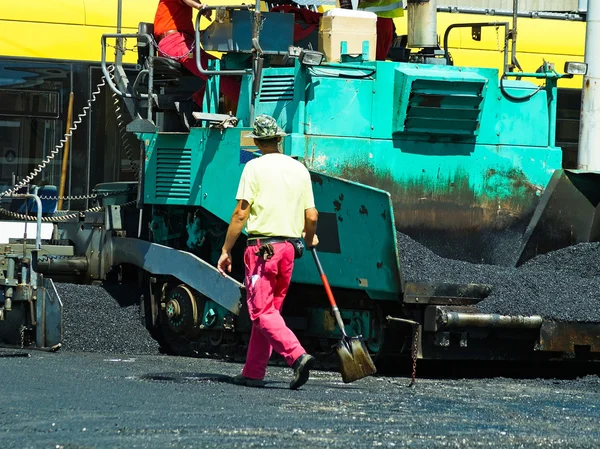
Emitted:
pixel 357 239
pixel 199 169
pixel 443 193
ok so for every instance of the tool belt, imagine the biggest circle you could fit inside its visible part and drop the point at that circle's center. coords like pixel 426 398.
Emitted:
pixel 254 240
pixel 160 37
pixel 265 245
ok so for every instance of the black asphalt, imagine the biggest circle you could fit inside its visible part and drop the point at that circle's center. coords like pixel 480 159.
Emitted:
pixel 80 400
pixel 104 318
pixel 562 285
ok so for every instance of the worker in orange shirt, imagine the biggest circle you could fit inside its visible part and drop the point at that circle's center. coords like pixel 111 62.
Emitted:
pixel 386 11
pixel 174 34
pixel 276 204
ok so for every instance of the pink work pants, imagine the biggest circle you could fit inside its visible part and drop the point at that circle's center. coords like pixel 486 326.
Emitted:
pixel 180 47
pixel 267 282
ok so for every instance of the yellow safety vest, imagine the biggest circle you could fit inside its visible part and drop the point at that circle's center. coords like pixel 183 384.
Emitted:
pixel 383 8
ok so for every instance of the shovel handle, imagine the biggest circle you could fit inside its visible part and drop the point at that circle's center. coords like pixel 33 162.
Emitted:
pixel 334 307
pixel 323 278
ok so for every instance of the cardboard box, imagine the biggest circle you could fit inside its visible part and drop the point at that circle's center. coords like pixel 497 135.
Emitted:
pixel 354 27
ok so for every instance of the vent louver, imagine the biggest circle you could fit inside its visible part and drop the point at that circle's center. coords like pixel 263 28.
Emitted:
pixel 432 102
pixel 277 88
pixel 173 173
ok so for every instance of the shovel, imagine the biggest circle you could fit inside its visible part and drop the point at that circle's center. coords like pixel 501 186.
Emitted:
pixel 355 361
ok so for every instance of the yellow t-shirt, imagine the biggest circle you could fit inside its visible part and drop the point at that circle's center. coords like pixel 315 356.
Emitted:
pixel 279 190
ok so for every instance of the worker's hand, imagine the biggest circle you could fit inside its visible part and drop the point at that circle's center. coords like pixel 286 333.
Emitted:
pixel 205 12
pixel 199 6
pixel 311 243
pixel 224 263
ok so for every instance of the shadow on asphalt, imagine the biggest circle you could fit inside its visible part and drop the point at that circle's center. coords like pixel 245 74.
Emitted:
pixel 489 369
pixel 184 378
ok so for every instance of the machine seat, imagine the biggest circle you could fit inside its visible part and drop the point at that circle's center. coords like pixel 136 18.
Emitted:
pixel 167 67
pixel 166 70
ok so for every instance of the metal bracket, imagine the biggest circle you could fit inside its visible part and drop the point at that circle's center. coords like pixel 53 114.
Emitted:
pixel 347 57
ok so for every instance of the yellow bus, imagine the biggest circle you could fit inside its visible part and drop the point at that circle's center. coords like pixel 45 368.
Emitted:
pixel 50 49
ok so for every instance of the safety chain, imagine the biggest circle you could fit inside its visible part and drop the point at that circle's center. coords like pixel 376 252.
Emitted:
pixel 62 142
pixel 123 134
pixel 123 47
pixel 91 196
pixel 58 219
pixel 176 58
pixel 46 257
pixel 415 347
pixel 500 50
pixel 22 332
pixel 415 354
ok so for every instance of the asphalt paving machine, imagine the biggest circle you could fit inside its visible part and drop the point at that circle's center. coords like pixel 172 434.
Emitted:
pixel 456 157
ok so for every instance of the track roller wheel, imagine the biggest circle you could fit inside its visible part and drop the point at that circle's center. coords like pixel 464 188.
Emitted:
pixel 181 310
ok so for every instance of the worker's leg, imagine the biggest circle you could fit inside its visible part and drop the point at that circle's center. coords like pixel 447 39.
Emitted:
pixel 284 276
pixel 259 353
pixel 180 47
pixel 261 284
pixel 385 37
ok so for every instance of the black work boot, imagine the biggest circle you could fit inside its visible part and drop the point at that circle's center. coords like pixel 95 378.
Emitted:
pixel 247 382
pixel 302 367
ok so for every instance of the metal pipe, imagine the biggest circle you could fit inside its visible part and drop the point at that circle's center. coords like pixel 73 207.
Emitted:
pixel 461 319
pixel 72 265
pixel 119 55
pixel 582 5
pixel 201 69
pixel 402 320
pixel 119 14
pixel 103 63
pixel 10 271
pixel 479 24
pixel 576 17
pixel 588 157
pixel 513 53
pixel 10 276
pixel 24 273
pixel 422 24
pixel 38 203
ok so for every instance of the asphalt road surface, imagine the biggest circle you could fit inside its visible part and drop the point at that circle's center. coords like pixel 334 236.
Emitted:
pixel 89 400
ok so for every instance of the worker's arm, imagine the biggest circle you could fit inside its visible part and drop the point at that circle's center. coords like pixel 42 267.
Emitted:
pixel 238 220
pixel 199 6
pixel 311 217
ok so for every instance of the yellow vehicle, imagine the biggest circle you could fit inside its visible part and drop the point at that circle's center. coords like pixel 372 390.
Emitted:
pixel 50 49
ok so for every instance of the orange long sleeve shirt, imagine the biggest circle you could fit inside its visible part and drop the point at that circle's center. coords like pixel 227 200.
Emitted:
pixel 173 15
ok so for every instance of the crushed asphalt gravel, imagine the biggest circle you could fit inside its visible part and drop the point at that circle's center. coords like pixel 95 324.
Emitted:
pixel 103 319
pixel 563 285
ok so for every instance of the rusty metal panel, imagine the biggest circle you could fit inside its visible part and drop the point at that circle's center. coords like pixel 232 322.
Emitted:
pixel 569 337
pixel 444 293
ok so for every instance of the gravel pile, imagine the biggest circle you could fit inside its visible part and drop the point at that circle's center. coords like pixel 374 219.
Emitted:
pixel 563 285
pixel 103 319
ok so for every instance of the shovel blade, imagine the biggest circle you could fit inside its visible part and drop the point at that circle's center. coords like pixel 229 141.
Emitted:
pixel 355 361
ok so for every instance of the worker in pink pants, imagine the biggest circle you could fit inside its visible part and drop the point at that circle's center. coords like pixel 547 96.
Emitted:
pixel 174 33
pixel 276 204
